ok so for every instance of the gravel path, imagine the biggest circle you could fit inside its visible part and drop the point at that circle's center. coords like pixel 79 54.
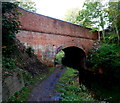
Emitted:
pixel 44 91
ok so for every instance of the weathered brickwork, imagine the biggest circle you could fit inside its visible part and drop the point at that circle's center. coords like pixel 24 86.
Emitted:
pixel 47 36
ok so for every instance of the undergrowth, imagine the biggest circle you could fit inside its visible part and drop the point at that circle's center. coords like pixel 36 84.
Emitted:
pixel 69 87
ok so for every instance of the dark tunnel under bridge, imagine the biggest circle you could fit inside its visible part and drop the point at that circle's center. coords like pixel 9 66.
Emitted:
pixel 74 57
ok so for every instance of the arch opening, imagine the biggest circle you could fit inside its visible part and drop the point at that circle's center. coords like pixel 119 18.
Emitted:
pixel 72 56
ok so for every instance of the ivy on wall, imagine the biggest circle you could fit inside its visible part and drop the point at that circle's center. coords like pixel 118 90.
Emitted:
pixel 10 27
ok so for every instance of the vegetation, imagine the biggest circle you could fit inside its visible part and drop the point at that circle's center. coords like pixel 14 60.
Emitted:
pixel 10 27
pixel 30 83
pixel 105 19
pixel 108 94
pixel 11 47
pixel 108 58
pixel 69 88
pixel 114 19
pixel 59 57
pixel 71 15
pixel 16 57
pixel 105 54
pixel 27 5
pixel 108 54
pixel 30 51
pixel 92 15
pixel 98 16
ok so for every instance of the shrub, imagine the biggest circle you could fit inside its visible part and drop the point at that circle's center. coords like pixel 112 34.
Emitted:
pixel 10 27
pixel 30 51
pixel 107 57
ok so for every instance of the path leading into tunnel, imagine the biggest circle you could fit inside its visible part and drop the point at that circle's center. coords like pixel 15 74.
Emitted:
pixel 44 91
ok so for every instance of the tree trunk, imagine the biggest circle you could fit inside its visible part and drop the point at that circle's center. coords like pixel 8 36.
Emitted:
pixel 117 32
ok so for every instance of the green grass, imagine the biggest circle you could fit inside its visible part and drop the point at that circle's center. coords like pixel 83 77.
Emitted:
pixel 71 90
pixel 24 93
pixel 69 73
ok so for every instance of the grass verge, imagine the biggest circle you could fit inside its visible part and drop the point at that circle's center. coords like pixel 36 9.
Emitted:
pixel 69 88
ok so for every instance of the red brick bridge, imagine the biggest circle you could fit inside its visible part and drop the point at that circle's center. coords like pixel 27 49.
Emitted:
pixel 47 36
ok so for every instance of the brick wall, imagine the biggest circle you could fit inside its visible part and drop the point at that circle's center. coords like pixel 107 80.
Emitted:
pixel 38 23
pixel 47 35
pixel 47 45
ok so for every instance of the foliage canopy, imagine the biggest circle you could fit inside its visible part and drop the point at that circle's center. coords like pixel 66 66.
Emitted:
pixel 27 4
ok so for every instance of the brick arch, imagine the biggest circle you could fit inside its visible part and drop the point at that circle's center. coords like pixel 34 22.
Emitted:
pixel 48 35
pixel 83 60
pixel 70 45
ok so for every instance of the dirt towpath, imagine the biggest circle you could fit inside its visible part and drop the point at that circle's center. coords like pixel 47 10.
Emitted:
pixel 44 91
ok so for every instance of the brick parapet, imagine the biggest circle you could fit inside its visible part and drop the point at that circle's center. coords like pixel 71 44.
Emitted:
pixel 39 23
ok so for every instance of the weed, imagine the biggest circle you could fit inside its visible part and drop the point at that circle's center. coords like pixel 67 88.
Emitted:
pixel 71 91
